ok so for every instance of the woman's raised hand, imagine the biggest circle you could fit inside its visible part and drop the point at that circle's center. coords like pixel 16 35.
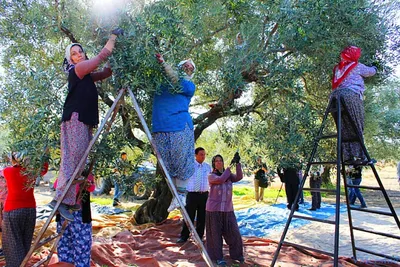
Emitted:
pixel 117 32
pixel 160 58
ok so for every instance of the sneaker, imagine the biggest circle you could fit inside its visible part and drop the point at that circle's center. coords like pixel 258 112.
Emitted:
pixel 182 197
pixel 174 205
pixel 64 212
pixel 75 207
pixel 363 206
pixel 221 262
pixel 116 203
pixel 52 204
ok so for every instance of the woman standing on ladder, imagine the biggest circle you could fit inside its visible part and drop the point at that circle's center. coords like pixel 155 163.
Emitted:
pixel 348 85
pixel 172 126
pixel 80 115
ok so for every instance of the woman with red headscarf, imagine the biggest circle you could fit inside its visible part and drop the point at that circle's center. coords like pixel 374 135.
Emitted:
pixel 348 84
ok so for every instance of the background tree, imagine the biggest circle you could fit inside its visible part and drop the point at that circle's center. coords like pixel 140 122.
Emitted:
pixel 272 91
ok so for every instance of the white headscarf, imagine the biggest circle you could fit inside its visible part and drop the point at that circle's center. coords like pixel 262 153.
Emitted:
pixel 67 64
pixel 191 62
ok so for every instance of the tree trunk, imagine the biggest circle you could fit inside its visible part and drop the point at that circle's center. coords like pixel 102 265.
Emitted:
pixel 154 210
pixel 326 175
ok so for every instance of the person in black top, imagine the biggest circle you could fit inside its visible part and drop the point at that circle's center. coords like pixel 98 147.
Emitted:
pixel 260 179
pixel 356 177
pixel 288 172
pixel 80 115
pixel 315 182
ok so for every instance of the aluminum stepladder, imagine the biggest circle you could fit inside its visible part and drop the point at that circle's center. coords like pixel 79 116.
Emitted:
pixel 56 237
pixel 169 181
pixel 338 108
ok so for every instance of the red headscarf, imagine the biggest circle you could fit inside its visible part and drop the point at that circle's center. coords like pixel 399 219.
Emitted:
pixel 349 60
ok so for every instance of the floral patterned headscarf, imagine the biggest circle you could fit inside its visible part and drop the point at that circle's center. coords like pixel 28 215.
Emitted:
pixel 348 61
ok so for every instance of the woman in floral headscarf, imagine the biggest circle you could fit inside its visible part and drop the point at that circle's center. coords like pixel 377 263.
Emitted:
pixel 80 114
pixel 348 84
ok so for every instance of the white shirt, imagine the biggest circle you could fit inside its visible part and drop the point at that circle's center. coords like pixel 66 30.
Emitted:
pixel 201 172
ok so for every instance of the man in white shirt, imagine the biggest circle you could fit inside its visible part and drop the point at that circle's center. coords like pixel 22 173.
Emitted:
pixel 197 194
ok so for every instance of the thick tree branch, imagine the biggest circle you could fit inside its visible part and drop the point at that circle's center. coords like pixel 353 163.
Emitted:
pixel 221 110
pixel 208 38
pixel 271 33
pixel 124 112
pixel 69 34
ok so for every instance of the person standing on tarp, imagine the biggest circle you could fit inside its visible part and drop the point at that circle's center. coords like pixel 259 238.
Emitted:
pixel 315 183
pixel 260 179
pixel 288 172
pixel 19 210
pixel 75 245
pixel 197 195
pixel 356 178
pixel 172 125
pixel 122 169
pixel 220 217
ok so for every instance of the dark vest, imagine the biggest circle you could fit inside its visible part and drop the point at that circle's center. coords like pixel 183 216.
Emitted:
pixel 82 98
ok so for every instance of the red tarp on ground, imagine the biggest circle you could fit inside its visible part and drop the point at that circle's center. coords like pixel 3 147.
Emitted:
pixel 155 246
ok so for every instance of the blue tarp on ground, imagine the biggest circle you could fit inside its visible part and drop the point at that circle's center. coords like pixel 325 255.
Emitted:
pixel 262 221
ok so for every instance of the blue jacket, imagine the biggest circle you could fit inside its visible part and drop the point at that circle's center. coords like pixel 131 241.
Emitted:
pixel 171 111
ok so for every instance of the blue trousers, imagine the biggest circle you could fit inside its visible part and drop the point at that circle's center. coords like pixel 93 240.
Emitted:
pixel 118 189
pixel 357 193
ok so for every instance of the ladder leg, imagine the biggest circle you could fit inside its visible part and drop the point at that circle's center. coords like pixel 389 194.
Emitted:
pixel 338 178
pixel 169 180
pixel 70 182
pixel 361 140
pixel 314 151
pixel 346 190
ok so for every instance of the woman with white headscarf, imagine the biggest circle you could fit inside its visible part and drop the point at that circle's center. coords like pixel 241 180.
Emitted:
pixel 80 114
pixel 172 125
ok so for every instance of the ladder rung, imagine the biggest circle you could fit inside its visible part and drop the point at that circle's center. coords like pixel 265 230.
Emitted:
pixel 372 211
pixel 47 240
pixel 377 254
pixel 308 248
pixel 319 190
pixel 312 219
pixel 348 140
pixel 326 136
pixel 365 187
pixel 45 259
pixel 322 162
pixel 376 233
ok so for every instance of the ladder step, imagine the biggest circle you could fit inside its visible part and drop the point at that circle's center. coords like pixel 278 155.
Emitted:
pixel 308 248
pixel 376 233
pixel 328 136
pixel 372 211
pixel 319 190
pixel 377 254
pixel 365 187
pixel 348 140
pixel 47 240
pixel 45 259
pixel 312 219
pixel 322 162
